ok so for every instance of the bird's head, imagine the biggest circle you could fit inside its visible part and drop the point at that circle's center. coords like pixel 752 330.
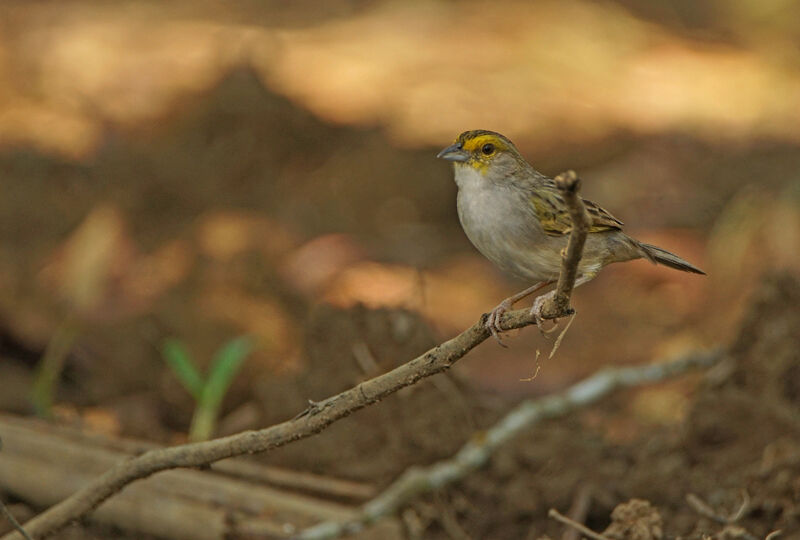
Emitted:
pixel 483 151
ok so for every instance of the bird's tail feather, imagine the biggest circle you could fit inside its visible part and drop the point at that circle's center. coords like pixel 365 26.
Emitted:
pixel 662 256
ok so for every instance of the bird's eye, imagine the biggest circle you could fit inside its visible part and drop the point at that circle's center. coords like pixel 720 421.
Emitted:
pixel 487 149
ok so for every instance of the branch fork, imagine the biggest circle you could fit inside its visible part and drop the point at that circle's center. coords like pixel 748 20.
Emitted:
pixel 556 305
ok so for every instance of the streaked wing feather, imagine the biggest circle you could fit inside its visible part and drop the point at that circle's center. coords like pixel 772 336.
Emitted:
pixel 601 217
pixel 551 210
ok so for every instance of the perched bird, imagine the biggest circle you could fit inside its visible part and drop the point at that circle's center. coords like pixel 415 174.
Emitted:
pixel 517 219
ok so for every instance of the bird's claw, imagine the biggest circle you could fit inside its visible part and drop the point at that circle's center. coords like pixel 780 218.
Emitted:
pixel 493 321
pixel 536 311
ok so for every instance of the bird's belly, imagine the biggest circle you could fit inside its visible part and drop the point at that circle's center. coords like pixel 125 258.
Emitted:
pixel 499 225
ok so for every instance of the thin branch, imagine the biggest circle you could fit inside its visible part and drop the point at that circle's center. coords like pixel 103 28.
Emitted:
pixel 743 508
pixel 705 509
pixel 322 414
pixel 11 519
pixel 580 527
pixel 557 305
pixel 475 453
pixel 579 510
pixel 316 418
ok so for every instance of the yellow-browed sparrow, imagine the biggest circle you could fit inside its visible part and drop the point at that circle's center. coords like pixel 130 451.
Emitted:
pixel 516 217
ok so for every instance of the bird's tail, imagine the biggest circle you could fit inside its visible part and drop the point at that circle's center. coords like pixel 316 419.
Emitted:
pixel 662 256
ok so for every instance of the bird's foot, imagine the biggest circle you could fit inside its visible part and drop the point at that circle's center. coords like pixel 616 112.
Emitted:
pixel 493 320
pixel 536 311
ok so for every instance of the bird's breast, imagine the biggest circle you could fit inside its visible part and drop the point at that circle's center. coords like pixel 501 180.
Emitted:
pixel 500 223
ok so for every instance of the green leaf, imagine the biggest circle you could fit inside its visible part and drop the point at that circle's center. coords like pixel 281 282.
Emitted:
pixel 48 371
pixel 224 368
pixel 179 359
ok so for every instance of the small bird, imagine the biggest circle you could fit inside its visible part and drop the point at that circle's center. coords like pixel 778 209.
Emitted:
pixel 517 219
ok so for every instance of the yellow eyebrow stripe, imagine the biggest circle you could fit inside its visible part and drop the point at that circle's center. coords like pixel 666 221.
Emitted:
pixel 475 143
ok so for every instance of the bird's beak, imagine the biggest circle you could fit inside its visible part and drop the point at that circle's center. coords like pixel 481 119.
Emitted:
pixel 454 152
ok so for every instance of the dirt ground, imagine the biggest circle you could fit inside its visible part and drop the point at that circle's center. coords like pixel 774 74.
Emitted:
pixel 737 449
pixel 739 441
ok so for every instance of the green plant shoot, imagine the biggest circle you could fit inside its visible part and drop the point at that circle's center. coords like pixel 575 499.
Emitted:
pixel 208 393
pixel 48 371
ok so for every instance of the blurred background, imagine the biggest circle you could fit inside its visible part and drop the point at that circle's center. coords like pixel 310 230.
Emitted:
pixel 203 171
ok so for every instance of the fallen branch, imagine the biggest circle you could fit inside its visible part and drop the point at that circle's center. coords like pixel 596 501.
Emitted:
pixel 704 509
pixel 580 527
pixel 579 510
pixel 313 420
pixel 11 519
pixel 734 531
pixel 319 415
pixel 475 453
pixel 43 464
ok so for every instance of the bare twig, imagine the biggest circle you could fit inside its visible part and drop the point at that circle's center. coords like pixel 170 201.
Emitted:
pixel 320 415
pixel 705 509
pixel 449 522
pixel 316 418
pixel 743 508
pixel 579 510
pixel 536 371
pixel 557 305
pixel 475 453
pixel 560 338
pixel 553 513
pixel 365 360
pixel 11 519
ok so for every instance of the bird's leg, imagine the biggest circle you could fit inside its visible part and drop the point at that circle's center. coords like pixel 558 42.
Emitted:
pixel 493 320
pixel 538 303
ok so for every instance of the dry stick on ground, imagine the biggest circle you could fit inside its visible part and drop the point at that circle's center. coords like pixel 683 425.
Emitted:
pixel 475 453
pixel 11 519
pixel 319 415
pixel 704 509
pixel 579 510
pixel 9 516
pixel 43 464
pixel 580 527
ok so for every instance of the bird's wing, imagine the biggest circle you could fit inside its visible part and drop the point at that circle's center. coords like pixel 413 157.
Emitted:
pixel 551 210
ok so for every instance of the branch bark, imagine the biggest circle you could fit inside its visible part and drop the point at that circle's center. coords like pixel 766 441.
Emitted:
pixel 319 415
pixel 475 453
pixel 557 305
